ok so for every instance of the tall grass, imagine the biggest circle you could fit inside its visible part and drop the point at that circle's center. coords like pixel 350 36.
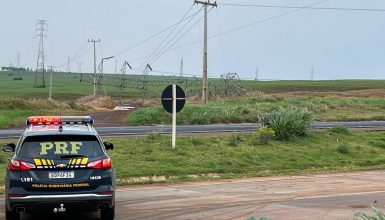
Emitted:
pixel 250 110
pixel 288 123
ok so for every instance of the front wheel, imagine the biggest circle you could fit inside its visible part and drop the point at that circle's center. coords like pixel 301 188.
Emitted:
pixel 11 215
pixel 108 214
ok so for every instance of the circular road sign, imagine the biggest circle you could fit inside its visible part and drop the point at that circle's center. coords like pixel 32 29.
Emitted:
pixel 167 99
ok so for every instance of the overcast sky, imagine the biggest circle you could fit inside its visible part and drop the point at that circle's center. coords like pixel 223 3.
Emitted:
pixel 338 44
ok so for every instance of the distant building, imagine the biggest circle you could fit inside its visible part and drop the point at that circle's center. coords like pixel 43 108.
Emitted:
pixel 7 68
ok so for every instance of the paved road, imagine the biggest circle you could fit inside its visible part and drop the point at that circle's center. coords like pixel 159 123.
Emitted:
pixel 318 197
pixel 194 129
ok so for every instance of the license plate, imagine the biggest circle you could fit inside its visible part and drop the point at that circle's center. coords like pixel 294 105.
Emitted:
pixel 61 175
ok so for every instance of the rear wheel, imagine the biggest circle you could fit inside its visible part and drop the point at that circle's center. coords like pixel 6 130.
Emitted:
pixel 108 214
pixel 11 215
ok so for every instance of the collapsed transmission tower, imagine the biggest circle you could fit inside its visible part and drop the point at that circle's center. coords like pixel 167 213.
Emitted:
pixel 41 33
pixel 99 76
pixel 123 80
pixel 231 85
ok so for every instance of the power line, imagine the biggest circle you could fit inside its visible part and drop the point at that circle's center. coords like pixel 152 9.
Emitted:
pixel 152 36
pixel 160 54
pixel 303 7
pixel 251 24
pixel 165 42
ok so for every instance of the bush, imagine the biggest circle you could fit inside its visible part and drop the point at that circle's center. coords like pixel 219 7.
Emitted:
pixel 235 139
pixel 343 149
pixel 339 130
pixel 288 123
pixel 378 215
pixel 263 135
pixel 154 136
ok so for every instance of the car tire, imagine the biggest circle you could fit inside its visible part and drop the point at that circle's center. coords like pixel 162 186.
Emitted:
pixel 108 214
pixel 11 215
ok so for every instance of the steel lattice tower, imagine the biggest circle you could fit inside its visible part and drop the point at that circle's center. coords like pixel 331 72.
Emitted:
pixel 41 33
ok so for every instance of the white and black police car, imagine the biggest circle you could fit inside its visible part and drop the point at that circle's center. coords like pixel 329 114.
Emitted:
pixel 59 165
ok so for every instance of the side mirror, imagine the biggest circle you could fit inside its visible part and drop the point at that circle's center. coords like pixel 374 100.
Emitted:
pixel 9 148
pixel 108 145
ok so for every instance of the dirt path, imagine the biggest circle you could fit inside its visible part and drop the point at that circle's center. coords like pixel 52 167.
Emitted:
pixel 110 119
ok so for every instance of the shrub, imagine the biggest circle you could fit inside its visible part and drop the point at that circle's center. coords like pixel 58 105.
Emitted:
pixel 378 215
pixel 288 123
pixel 339 130
pixel 154 136
pixel 263 135
pixel 235 139
pixel 196 141
pixel 343 149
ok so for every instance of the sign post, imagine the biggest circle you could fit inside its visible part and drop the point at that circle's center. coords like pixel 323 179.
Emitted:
pixel 173 115
pixel 173 100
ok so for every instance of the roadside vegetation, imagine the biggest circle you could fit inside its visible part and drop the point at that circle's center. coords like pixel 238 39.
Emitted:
pixel 14 111
pixel 151 159
pixel 252 109
pixel 378 215
pixel 339 100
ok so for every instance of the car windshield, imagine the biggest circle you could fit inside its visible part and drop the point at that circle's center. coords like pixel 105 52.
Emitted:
pixel 59 147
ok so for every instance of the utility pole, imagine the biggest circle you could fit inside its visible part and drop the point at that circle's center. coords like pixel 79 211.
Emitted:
pixel 80 70
pixel 94 42
pixel 181 68
pixel 68 65
pixel 50 83
pixel 256 74
pixel 205 80
pixel 41 29
pixel 18 58
pixel 116 66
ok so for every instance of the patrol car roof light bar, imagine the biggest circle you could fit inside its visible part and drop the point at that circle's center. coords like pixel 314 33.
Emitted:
pixel 55 120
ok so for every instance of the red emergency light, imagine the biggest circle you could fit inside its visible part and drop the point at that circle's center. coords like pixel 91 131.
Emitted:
pixel 54 120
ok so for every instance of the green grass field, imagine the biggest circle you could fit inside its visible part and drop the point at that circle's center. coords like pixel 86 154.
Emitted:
pixel 67 86
pixel 194 156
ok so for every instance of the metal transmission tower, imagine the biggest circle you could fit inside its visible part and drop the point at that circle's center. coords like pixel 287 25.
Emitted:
pixel 18 59
pixel 123 80
pixel 41 29
pixel 144 82
pixel 205 86
pixel 256 74
pixel 94 42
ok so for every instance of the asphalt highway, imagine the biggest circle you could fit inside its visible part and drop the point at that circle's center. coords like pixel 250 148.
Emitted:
pixel 304 197
pixel 199 129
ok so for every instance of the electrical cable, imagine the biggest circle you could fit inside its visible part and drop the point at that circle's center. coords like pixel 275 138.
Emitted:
pixel 303 7
pixel 176 41
pixel 153 36
pixel 251 24
pixel 162 45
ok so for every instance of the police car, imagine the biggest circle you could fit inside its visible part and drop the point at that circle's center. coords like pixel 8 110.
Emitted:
pixel 59 165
